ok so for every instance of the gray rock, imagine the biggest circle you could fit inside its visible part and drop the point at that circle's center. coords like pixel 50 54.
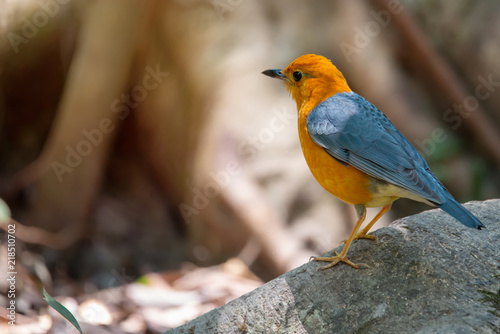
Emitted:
pixel 428 274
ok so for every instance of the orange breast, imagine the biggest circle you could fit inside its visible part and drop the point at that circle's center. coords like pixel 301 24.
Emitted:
pixel 345 182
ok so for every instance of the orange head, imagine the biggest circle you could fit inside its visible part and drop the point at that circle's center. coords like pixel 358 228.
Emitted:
pixel 311 78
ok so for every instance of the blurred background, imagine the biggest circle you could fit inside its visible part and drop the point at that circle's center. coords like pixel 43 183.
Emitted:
pixel 154 173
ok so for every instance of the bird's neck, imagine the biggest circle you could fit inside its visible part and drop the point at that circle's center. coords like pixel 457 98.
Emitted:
pixel 317 94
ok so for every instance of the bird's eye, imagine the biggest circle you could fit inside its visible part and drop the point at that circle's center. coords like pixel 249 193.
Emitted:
pixel 297 76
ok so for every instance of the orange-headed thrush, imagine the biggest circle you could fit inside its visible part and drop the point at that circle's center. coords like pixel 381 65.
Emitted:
pixel 355 152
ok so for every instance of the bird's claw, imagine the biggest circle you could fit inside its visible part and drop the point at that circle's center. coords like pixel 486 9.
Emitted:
pixel 362 235
pixel 335 260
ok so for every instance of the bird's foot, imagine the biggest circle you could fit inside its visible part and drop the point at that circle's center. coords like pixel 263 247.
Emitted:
pixel 336 259
pixel 362 235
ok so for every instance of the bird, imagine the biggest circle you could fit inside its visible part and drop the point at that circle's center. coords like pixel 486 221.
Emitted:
pixel 355 152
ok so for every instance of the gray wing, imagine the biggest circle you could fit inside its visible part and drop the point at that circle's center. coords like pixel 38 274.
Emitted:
pixel 355 132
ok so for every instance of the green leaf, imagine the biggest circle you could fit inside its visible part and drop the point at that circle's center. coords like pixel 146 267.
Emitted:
pixel 5 213
pixel 61 309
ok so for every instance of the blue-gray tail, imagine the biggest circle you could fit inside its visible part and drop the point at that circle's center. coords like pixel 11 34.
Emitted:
pixel 455 209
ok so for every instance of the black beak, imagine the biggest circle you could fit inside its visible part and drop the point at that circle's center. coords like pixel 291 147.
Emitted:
pixel 275 74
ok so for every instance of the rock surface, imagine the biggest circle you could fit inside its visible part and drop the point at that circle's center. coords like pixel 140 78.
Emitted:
pixel 428 274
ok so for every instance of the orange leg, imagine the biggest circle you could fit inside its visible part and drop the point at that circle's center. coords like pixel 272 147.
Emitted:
pixel 363 234
pixel 361 210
